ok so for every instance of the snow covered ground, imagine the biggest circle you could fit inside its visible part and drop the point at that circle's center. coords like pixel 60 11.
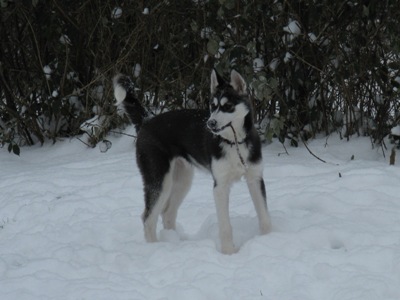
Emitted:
pixel 70 228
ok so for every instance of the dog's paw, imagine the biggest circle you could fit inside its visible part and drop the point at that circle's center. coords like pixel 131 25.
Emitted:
pixel 229 249
pixel 266 226
pixel 265 229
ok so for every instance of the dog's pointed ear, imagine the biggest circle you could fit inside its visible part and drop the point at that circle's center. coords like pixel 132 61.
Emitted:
pixel 216 81
pixel 238 83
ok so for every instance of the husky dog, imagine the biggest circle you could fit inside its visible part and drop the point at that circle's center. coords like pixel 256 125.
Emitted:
pixel 222 140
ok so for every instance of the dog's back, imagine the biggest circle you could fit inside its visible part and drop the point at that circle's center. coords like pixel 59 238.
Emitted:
pixel 179 133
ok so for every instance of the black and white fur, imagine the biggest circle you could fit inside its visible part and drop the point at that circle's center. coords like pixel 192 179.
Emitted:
pixel 170 145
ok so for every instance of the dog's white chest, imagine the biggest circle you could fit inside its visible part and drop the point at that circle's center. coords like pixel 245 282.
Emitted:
pixel 230 166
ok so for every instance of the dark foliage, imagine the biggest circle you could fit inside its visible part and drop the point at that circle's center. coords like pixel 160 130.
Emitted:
pixel 312 66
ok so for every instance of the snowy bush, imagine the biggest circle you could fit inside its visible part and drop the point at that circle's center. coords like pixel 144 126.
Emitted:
pixel 312 66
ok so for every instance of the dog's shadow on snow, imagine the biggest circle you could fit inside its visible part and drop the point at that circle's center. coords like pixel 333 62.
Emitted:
pixel 244 229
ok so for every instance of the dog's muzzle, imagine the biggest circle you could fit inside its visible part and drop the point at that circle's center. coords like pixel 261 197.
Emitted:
pixel 213 126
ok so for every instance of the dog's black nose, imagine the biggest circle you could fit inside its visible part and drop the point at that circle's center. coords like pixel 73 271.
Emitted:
pixel 212 124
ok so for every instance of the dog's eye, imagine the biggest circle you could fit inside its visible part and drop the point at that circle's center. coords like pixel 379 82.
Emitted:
pixel 227 107
pixel 213 106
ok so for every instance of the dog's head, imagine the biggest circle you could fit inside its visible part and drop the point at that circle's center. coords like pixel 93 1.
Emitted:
pixel 228 104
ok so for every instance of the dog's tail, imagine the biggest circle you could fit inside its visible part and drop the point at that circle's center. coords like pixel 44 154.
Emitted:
pixel 124 92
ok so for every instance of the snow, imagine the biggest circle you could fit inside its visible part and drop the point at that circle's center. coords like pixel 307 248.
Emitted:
pixel 205 32
pixel 273 64
pixel 395 130
pixel 288 57
pixel 258 64
pixel 72 76
pixel 116 12
pixel 65 40
pixel 98 92
pixel 47 71
pixel 70 228
pixel 136 70
pixel 312 37
pixel 292 30
pixel 293 27
pixel 90 126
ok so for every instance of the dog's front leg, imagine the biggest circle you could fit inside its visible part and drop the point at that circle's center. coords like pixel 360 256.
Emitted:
pixel 221 197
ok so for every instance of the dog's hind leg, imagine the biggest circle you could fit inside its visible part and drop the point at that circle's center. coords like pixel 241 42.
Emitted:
pixel 258 194
pixel 182 180
pixel 156 196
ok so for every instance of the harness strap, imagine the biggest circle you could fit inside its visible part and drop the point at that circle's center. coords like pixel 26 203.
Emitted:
pixel 237 146
pixel 230 143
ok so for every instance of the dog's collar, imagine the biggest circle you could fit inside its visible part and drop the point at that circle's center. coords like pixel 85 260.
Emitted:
pixel 229 142
pixel 236 143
